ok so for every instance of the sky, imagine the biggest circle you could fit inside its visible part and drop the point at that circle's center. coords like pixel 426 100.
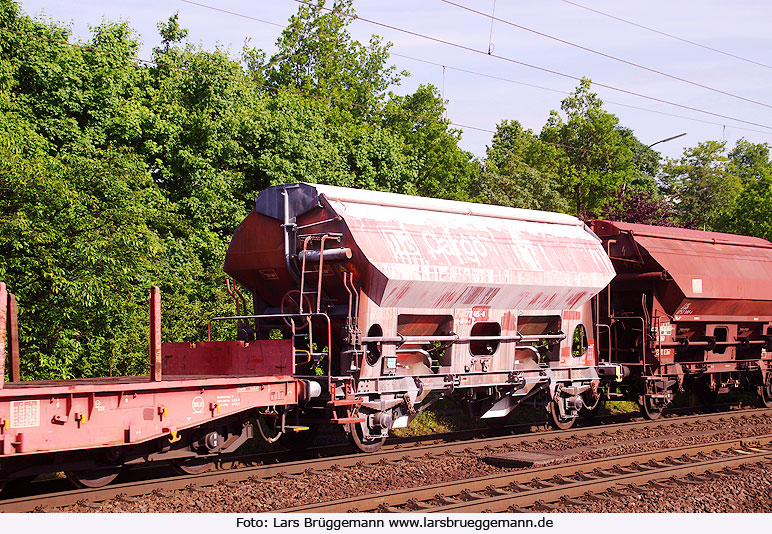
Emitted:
pixel 706 94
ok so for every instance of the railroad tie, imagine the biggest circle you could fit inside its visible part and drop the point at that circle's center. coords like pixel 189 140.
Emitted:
pixel 617 493
pixel 493 491
pixel 546 507
pixel 601 473
pixel 582 477
pixel 514 486
pixel 384 508
pixel 466 495
pixel 415 505
pixel 443 500
pixel 514 509
pixel 638 489
pixel 88 504
pixel 682 482
pixel 590 496
pixel 573 502
pixel 734 472
pixel 640 467
pixel 619 470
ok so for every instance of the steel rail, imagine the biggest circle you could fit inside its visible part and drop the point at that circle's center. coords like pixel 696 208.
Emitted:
pixel 505 490
pixel 235 471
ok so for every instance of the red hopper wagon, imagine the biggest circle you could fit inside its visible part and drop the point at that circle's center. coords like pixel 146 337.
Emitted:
pixel 687 309
pixel 400 300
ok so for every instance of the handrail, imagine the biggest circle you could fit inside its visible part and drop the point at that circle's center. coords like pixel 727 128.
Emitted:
pixel 310 316
pixel 264 316
pixel 456 338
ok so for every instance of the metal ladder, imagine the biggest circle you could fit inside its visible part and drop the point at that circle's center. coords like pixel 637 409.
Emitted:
pixel 307 270
pixel 349 401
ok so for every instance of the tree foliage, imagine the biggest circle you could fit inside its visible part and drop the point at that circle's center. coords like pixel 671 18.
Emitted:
pixel 582 162
pixel 317 56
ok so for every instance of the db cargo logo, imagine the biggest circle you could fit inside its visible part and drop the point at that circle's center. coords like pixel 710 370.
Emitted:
pixel 461 248
pixel 198 404
pixel 401 244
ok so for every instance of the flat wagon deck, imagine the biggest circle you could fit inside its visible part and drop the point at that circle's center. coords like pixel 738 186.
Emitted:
pixel 196 401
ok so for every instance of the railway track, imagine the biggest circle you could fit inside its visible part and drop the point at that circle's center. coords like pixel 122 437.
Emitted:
pixel 565 483
pixel 234 472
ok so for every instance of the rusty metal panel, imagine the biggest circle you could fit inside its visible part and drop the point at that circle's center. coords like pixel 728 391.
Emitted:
pixel 709 265
pixel 445 254
pixel 256 358
pixel 66 415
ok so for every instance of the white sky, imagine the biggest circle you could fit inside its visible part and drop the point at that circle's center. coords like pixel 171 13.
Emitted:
pixel 741 27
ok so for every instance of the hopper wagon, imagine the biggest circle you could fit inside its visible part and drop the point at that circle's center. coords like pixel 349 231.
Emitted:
pixel 401 300
pixel 687 309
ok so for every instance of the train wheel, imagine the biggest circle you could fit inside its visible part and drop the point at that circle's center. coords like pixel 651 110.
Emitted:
pixel 94 478
pixel 765 395
pixel 193 465
pixel 356 436
pixel 649 410
pixel 558 421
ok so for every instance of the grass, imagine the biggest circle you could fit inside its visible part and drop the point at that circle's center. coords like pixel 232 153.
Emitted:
pixel 612 407
pixel 442 416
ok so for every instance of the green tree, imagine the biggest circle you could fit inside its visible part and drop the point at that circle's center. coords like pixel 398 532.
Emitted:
pixel 152 168
pixel 749 214
pixel 520 171
pixel 701 185
pixel 439 167
pixel 78 248
pixel 598 155
pixel 316 56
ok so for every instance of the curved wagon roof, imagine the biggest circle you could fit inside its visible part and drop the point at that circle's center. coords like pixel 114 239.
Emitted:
pixel 704 265
pixel 431 253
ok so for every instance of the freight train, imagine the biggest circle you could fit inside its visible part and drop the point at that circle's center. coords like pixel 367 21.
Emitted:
pixel 367 307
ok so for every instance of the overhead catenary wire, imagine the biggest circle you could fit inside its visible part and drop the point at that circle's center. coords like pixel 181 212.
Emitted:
pixel 563 92
pixel 501 78
pixel 528 65
pixel 137 61
pixel 670 35
pixel 242 15
pixel 608 56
